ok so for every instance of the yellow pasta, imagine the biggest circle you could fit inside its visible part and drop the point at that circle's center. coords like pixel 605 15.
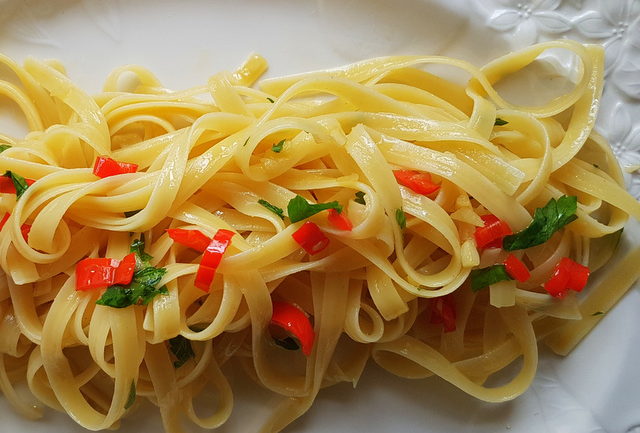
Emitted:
pixel 231 156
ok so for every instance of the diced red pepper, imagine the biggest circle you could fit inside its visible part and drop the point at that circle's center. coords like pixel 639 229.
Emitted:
pixel 339 221
pixel 443 310
pixel 124 271
pixel 417 181
pixel 7 186
pixel 194 239
pixel 105 167
pixel 516 269
pixel 95 273
pixel 310 237
pixel 567 275
pixel 492 232
pixel 4 219
pixel 293 320
pixel 211 258
pixel 25 229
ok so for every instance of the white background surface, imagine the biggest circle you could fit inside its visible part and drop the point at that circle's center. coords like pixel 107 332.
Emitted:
pixel 596 389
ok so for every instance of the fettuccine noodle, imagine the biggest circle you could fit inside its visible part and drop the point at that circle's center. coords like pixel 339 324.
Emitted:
pixel 206 159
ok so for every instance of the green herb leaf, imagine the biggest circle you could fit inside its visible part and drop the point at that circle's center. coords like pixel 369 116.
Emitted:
pixel 360 198
pixel 246 141
pixel 270 100
pixel 181 349
pixel 273 208
pixel 401 219
pixel 597 313
pixel 288 343
pixel 481 278
pixel 277 148
pixel 19 182
pixel 500 122
pixel 131 213
pixel 299 208
pixel 4 147
pixel 149 276
pixel 546 221
pixel 132 396
pixel 137 246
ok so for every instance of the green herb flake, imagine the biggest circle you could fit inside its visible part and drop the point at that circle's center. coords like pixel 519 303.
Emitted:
pixel 401 218
pixel 270 100
pixel 246 141
pixel 277 148
pixel 19 182
pixel 299 208
pixel 500 122
pixel 181 349
pixel 132 396
pixel 546 221
pixel 273 208
pixel 598 313
pixel 4 147
pixel 360 198
pixel 131 213
pixel 481 278
pixel 142 258
pixel 288 343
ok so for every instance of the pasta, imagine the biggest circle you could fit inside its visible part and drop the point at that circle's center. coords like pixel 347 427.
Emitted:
pixel 382 269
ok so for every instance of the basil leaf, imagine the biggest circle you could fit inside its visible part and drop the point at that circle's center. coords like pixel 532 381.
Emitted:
pixel 401 219
pixel 19 182
pixel 149 276
pixel 500 122
pixel 299 208
pixel 277 148
pixel 360 197
pixel 131 213
pixel 275 209
pixel 546 221
pixel 115 296
pixel 132 396
pixel 288 343
pixel 181 349
pixel 481 278
pixel 142 258
pixel 4 147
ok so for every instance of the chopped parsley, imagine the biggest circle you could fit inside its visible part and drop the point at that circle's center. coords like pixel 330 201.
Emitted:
pixel 4 147
pixel 181 348
pixel 500 122
pixel 598 313
pixel 132 396
pixel 401 219
pixel 277 148
pixel 481 278
pixel 299 208
pixel 273 208
pixel 546 221
pixel 360 197
pixel 131 213
pixel 19 182
pixel 270 100
pixel 142 288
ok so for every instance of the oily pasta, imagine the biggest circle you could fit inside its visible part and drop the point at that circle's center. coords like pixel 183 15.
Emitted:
pixel 233 157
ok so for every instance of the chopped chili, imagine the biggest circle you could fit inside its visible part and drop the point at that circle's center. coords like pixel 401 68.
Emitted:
pixel 105 167
pixel 92 273
pixel 339 221
pixel 194 239
pixel 211 258
pixel 491 234
pixel 516 269
pixel 295 322
pixel 310 237
pixel 417 181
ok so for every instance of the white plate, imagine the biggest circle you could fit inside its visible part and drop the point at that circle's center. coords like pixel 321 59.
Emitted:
pixel 595 389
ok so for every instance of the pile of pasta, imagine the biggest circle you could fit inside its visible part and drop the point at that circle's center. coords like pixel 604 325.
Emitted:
pixel 230 155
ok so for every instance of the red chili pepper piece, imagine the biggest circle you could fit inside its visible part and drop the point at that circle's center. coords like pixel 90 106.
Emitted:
pixel 295 322
pixel 211 258
pixel 494 230
pixel 25 229
pixel 7 186
pixel 4 219
pixel 310 237
pixel 516 269
pixel 124 271
pixel 339 220
pixel 105 167
pixel 567 275
pixel 194 239
pixel 443 310
pixel 95 273
pixel 417 181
